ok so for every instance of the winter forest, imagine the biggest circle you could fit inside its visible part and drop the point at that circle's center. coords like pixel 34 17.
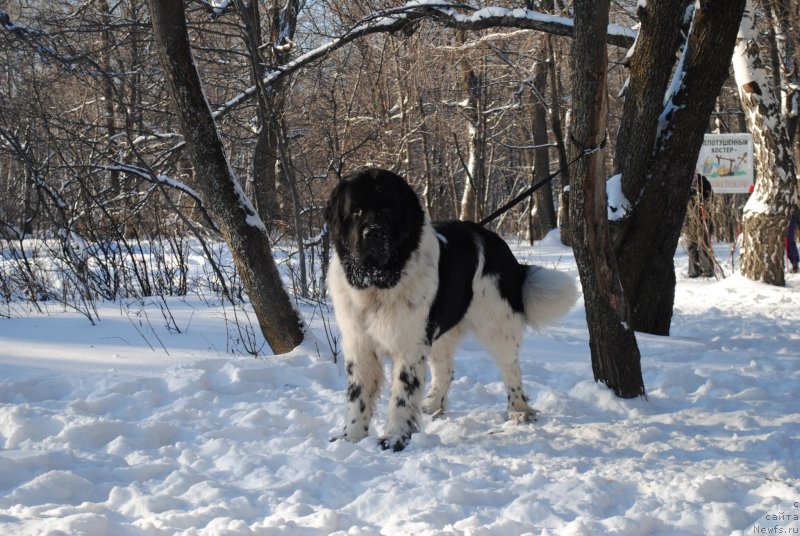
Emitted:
pixel 171 362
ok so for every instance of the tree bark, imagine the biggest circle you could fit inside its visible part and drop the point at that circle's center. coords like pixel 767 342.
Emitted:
pixel 561 148
pixel 281 25
pixel 658 143
pixel 784 70
pixel 108 92
pixel 239 224
pixel 615 354
pixel 767 212
pixel 541 159
pixel 475 169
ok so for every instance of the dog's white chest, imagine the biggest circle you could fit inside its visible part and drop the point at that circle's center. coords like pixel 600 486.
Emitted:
pixel 395 322
pixel 394 318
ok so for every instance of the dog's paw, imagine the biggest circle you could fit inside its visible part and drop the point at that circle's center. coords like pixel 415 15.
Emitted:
pixel 352 436
pixel 523 417
pixel 396 444
pixel 433 407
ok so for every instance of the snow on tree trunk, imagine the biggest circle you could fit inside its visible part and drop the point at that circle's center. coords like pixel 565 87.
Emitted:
pixel 240 226
pixel 664 118
pixel 766 214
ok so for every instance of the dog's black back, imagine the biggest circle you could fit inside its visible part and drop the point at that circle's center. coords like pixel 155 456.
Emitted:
pixel 459 256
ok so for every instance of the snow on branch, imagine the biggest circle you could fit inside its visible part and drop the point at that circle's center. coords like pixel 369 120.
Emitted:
pixel 215 8
pixel 448 14
pixel 162 180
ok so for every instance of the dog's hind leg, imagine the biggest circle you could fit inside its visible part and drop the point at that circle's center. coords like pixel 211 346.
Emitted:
pixel 364 378
pixel 503 339
pixel 408 375
pixel 441 363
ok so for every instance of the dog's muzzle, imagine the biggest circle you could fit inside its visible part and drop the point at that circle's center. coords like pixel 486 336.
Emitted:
pixel 373 248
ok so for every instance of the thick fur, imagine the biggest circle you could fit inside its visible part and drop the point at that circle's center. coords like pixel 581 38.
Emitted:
pixel 408 289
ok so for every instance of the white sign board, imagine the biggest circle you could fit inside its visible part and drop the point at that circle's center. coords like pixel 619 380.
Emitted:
pixel 726 160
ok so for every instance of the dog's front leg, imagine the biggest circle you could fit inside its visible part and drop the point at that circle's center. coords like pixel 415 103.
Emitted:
pixel 408 377
pixel 364 378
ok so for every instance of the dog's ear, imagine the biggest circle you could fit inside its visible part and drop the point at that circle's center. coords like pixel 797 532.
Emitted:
pixel 332 212
pixel 412 207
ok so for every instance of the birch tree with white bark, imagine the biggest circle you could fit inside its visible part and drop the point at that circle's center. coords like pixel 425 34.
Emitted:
pixel 767 212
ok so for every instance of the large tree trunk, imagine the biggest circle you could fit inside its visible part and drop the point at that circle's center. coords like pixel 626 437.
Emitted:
pixel 766 214
pixel 239 224
pixel 615 355
pixel 659 140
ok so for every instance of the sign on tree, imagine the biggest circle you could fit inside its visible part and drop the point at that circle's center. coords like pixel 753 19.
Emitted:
pixel 726 160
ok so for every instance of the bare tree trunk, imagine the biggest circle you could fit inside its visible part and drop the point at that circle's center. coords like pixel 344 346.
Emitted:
pixel 544 197
pixel 108 92
pixel 766 214
pixel 541 159
pixel 281 24
pixel 239 224
pixel 475 167
pixel 297 220
pixel 561 149
pixel 784 69
pixel 263 178
pixel 26 223
pixel 564 223
pixel 404 151
pixel 615 354
pixel 784 16
pixel 427 191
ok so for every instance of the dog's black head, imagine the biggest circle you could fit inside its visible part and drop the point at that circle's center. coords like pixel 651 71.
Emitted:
pixel 375 221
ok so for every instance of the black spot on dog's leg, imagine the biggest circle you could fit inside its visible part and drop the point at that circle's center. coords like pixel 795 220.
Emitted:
pixel 410 381
pixel 353 392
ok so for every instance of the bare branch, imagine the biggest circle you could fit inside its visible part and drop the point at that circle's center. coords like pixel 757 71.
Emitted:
pixel 447 14
pixel 163 180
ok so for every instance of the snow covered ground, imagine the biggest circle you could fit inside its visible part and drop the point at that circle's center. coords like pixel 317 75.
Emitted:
pixel 126 428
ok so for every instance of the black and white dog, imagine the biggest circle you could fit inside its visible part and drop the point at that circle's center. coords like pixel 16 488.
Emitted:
pixel 409 289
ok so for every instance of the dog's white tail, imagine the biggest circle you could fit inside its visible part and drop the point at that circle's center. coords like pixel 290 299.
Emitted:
pixel 547 295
